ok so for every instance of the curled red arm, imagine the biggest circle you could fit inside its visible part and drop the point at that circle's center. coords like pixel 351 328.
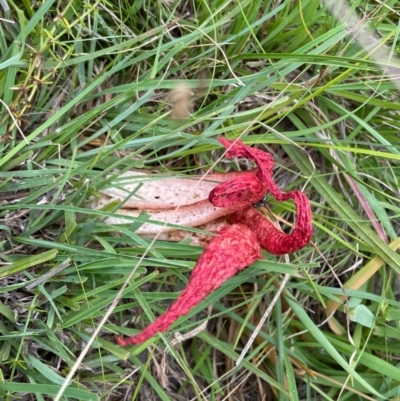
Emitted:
pixel 270 237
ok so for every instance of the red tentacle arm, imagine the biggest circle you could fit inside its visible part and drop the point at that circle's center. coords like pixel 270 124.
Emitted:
pixel 235 248
pixel 264 161
pixel 238 193
pixel 271 238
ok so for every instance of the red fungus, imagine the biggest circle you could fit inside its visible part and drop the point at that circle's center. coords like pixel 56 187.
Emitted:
pixel 270 237
pixel 238 245
pixel 216 265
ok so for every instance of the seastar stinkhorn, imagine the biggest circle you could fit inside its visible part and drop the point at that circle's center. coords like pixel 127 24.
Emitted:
pixel 240 243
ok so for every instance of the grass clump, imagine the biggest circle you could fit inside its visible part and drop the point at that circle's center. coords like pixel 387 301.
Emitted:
pixel 85 91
